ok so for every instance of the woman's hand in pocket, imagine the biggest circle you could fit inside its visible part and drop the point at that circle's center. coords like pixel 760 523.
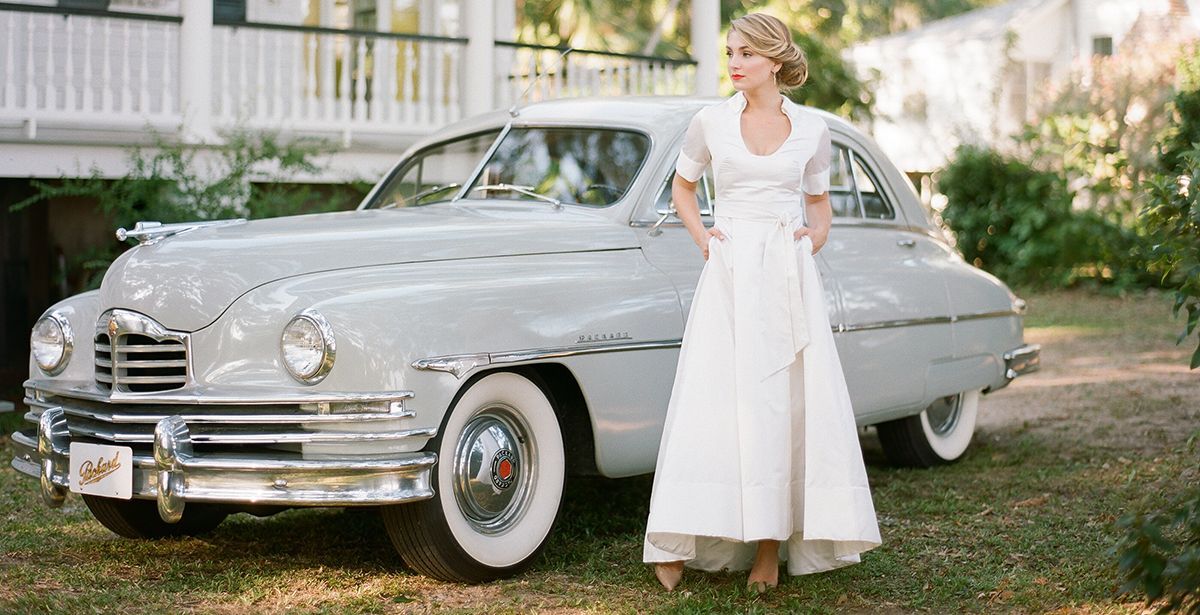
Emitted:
pixel 706 237
pixel 817 236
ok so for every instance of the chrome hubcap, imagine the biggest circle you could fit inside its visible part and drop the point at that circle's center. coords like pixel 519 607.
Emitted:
pixel 494 464
pixel 943 414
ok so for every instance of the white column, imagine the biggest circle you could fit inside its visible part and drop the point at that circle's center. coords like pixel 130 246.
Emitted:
pixel 706 29
pixel 479 62
pixel 195 70
pixel 385 62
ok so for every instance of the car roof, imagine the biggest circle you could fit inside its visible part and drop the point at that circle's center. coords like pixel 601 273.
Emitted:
pixel 651 113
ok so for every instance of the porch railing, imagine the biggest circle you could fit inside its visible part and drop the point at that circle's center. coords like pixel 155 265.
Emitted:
pixel 585 72
pixel 72 66
pixel 106 70
pixel 332 80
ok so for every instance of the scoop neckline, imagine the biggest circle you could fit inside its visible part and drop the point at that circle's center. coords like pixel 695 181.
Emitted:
pixel 742 139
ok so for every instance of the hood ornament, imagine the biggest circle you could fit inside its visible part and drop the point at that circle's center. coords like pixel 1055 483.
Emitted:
pixel 149 233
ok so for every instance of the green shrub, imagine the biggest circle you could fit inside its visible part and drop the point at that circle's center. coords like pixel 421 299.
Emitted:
pixel 1017 223
pixel 1158 552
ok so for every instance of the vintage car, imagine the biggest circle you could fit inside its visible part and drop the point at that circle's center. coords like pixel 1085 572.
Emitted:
pixel 504 309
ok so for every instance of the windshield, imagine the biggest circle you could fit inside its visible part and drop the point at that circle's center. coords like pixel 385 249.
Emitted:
pixel 581 166
pixel 435 173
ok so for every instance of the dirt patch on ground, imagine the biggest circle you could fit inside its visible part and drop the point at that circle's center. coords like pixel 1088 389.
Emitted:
pixel 1112 387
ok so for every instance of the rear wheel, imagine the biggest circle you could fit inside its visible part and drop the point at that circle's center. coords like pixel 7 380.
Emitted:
pixel 940 434
pixel 498 485
pixel 139 518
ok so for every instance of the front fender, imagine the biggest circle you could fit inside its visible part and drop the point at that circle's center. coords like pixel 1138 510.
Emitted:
pixel 386 318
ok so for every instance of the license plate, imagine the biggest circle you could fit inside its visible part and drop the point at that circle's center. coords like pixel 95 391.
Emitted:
pixel 100 469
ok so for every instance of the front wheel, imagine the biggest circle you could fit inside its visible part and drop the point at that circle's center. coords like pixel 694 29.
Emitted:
pixel 940 434
pixel 498 485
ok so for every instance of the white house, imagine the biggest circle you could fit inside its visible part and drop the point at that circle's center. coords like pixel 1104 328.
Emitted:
pixel 975 77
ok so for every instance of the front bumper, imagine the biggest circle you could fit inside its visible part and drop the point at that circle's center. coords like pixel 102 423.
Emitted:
pixel 255 454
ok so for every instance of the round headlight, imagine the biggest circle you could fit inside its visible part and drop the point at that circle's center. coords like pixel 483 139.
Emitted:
pixel 307 346
pixel 51 343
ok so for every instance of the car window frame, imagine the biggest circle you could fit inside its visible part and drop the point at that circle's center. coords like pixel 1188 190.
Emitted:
pixel 705 185
pixel 868 165
pixel 403 163
pixel 460 196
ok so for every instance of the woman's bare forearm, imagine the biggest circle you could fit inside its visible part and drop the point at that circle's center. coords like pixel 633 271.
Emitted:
pixel 819 213
pixel 683 194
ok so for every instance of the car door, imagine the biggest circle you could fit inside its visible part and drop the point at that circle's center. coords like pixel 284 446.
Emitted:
pixel 894 319
pixel 666 242
pixel 668 246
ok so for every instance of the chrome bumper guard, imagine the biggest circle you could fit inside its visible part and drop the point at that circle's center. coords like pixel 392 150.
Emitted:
pixel 1020 360
pixel 174 473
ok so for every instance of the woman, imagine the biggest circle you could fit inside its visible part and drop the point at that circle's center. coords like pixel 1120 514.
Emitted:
pixel 759 459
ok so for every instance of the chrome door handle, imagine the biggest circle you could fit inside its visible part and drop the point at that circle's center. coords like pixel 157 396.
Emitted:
pixel 654 230
pixel 907 243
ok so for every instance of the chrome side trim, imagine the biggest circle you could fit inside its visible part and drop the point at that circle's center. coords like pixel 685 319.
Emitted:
pixel 887 324
pixel 929 320
pixel 996 314
pixel 461 364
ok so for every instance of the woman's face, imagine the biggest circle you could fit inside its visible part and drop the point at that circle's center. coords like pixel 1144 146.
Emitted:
pixel 747 70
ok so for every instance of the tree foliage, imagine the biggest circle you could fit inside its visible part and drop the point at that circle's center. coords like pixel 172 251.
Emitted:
pixel 1171 214
pixel 1099 127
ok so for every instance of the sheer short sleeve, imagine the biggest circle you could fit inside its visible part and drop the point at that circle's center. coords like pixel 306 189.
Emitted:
pixel 693 155
pixel 816 172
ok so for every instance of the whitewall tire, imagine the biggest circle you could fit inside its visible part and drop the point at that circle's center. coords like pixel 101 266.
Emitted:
pixel 940 434
pixel 498 485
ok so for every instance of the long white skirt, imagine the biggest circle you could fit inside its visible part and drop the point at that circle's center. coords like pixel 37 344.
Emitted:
pixel 759 440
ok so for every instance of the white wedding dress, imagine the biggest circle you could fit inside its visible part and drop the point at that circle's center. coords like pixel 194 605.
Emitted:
pixel 760 440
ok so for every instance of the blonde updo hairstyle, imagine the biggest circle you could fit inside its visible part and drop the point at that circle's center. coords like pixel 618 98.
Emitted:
pixel 771 38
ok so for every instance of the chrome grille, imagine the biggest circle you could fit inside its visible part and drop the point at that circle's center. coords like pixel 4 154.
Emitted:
pixel 141 357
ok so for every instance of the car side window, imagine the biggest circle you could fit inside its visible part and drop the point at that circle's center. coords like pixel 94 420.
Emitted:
pixel 703 189
pixel 874 205
pixel 841 190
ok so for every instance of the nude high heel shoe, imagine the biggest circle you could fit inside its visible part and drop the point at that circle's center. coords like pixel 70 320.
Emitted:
pixel 668 575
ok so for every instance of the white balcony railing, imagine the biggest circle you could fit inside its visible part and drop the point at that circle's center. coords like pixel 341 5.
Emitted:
pixel 107 71
pixel 111 70
pixel 585 73
pixel 334 80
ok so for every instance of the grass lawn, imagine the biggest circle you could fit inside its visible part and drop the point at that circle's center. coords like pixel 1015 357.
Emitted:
pixel 1022 524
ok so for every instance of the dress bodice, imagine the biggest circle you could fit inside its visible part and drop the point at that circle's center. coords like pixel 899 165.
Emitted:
pixel 800 165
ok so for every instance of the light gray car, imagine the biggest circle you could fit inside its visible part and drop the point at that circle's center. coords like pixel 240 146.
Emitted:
pixel 504 309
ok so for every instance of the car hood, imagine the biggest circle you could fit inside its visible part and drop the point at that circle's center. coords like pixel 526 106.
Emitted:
pixel 187 280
